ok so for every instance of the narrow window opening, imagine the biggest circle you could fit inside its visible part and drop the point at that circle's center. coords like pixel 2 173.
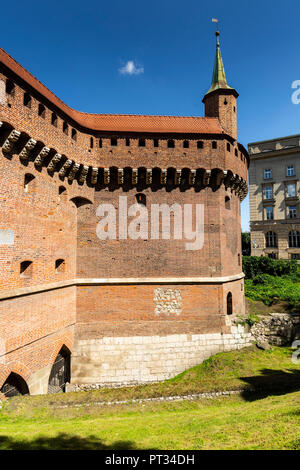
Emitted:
pixel 113 142
pixel 171 144
pixel 65 128
pixel 142 142
pixel 10 87
pixel 127 142
pixel 74 134
pixel 200 144
pixel 229 303
pixel 28 178
pixel 239 259
pixel 42 110
pixel 61 190
pixel 186 144
pixel 227 202
pixel 60 266
pixel 100 143
pixel 236 153
pixel 54 120
pixel 27 100
pixel 26 269
pixel 91 143
pixel 228 147
pixel 141 199
pixel 155 142
pixel 214 144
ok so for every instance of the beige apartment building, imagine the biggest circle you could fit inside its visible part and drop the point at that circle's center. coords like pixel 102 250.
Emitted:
pixel 274 191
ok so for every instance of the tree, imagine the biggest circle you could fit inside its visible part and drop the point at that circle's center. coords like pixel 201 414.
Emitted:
pixel 246 243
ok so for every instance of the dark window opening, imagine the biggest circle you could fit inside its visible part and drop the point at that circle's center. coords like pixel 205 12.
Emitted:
pixel 229 303
pixel 239 259
pixel 100 143
pixel 62 190
pixel 225 101
pixel 27 100
pixel 142 143
pixel 65 128
pixel 14 385
pixel 200 144
pixel 155 142
pixel 214 144
pixel 227 202
pixel 74 134
pixel 91 143
pixel 10 87
pixel 127 142
pixel 186 144
pixel 236 153
pixel 141 199
pixel 54 120
pixel 28 178
pixel 271 240
pixel 294 239
pixel 228 147
pixel 60 266
pixel 26 268
pixel 171 144
pixel 60 373
pixel 234 109
pixel 42 110
pixel 113 141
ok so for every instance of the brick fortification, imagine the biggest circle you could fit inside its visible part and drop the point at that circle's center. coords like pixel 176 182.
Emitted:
pixel 125 311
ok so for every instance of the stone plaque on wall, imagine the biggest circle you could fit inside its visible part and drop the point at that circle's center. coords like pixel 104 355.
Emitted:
pixel 167 301
pixel 2 92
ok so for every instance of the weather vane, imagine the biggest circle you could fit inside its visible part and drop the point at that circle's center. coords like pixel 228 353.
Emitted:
pixel 215 20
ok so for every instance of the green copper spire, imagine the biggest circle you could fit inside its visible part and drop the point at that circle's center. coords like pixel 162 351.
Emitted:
pixel 218 78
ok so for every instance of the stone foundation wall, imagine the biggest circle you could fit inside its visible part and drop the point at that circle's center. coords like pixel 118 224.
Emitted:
pixel 142 359
pixel 279 329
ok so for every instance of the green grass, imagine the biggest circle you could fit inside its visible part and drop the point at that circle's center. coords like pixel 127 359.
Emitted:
pixel 234 370
pixel 227 423
pixel 266 419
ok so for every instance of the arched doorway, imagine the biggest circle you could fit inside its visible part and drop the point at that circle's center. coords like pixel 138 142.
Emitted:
pixel 14 385
pixel 60 372
pixel 229 303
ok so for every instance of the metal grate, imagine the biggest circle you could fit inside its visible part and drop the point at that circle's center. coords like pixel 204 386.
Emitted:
pixel 60 374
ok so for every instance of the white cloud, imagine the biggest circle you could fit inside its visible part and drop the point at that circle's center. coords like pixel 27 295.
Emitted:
pixel 131 69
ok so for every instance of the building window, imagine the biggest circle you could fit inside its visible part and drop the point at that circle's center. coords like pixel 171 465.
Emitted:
pixel 60 266
pixel 186 144
pixel 236 153
pixel 26 269
pixel 155 142
pixel 171 144
pixel 28 178
pixel 227 202
pixel 271 240
pixel 74 134
pixel 229 303
pixel 200 144
pixel 141 199
pixel 291 190
pixel 269 213
pixel 272 255
pixel 42 110
pixel 62 190
pixel 10 87
pixel 268 192
pixel 295 255
pixel 294 239
pixel 27 100
pixel 113 142
pixel 292 212
pixel 142 142
pixel 127 142
pixel 267 174
pixel 100 143
pixel 228 147
pixel 65 128
pixel 91 143
pixel 54 120
pixel 290 171
pixel 214 144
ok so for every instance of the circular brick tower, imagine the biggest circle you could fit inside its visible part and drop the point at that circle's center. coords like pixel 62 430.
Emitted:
pixel 120 237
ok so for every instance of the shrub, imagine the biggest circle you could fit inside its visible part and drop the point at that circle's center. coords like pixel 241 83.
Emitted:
pixel 256 265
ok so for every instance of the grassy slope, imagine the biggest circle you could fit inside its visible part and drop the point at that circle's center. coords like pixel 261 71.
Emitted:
pixel 266 421
pixel 234 370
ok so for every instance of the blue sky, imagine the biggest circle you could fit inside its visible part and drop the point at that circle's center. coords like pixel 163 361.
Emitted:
pixel 78 48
